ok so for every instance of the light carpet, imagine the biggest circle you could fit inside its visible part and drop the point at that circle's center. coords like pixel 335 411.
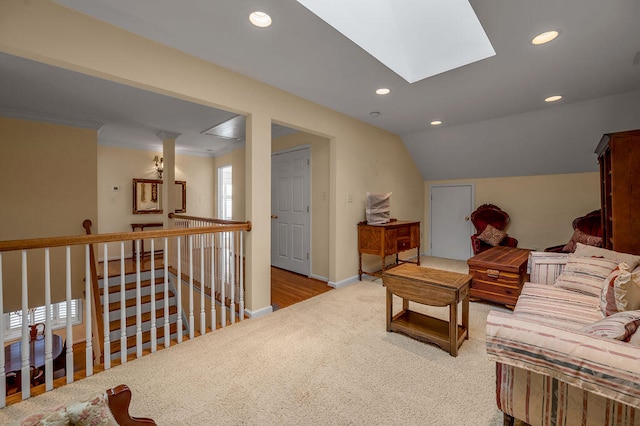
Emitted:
pixel 327 360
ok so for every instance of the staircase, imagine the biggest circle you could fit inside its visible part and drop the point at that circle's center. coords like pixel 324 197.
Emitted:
pixel 115 310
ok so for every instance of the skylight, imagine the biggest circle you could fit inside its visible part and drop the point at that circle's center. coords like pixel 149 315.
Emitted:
pixel 414 38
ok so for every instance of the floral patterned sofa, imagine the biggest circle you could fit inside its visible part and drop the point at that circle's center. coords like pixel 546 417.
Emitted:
pixel 569 354
pixel 110 408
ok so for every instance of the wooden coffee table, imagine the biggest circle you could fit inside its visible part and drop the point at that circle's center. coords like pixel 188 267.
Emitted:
pixel 431 287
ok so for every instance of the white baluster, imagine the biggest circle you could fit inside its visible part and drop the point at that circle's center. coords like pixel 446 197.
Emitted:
pixel 167 325
pixel 191 318
pixel 232 286
pixel 48 357
pixel 241 275
pixel 69 358
pixel 123 309
pixel 3 373
pixel 154 336
pixel 26 371
pixel 87 305
pixel 179 290
pixel 203 317
pixel 138 304
pixel 221 271
pixel 105 307
pixel 214 319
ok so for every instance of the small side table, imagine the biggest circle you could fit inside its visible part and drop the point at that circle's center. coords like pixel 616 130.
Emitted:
pixel 135 226
pixel 431 287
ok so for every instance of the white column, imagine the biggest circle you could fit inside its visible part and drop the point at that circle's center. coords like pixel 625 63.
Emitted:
pixel 169 174
pixel 258 211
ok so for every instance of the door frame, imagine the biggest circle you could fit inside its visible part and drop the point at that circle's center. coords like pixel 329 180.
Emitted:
pixel 472 185
pixel 306 147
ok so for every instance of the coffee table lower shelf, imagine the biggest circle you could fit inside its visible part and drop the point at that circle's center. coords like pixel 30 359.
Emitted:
pixel 426 329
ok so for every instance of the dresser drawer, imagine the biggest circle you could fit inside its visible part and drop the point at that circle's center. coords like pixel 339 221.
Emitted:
pixel 404 244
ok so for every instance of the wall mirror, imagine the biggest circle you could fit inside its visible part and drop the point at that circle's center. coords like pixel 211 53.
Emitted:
pixel 181 197
pixel 147 196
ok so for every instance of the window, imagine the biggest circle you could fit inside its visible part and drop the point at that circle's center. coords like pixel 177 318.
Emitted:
pixel 225 198
pixel 13 320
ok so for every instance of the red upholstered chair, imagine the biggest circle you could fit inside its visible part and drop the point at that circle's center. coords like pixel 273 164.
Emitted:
pixel 590 225
pixel 489 214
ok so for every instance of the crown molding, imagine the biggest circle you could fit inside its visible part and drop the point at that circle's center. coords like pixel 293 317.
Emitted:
pixel 50 118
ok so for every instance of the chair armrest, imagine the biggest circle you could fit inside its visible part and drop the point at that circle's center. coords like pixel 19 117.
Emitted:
pixel 605 367
pixel 475 244
pixel 119 399
pixel 509 242
pixel 545 267
pixel 556 249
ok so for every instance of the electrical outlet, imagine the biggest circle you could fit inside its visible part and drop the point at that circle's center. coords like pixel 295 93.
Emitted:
pixel 349 198
pixel 115 188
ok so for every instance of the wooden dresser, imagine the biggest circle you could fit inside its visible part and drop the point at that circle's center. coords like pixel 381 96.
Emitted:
pixel 388 239
pixel 619 159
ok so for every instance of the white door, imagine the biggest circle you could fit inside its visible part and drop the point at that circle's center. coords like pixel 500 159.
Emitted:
pixel 290 212
pixel 451 229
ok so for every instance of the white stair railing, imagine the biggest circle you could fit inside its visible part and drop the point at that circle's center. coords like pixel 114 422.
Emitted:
pixel 20 370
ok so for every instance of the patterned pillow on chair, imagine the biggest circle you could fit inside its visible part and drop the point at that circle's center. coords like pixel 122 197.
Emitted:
pixel 492 236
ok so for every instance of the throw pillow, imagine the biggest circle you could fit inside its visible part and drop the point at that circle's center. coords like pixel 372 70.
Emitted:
pixel 620 326
pixel 580 237
pixel 627 292
pixel 607 296
pixel 492 236
pixel 590 251
pixel 91 412
pixel 585 274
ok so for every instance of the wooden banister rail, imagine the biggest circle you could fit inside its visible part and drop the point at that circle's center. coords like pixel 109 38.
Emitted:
pixel 73 240
pixel 210 220
pixel 96 290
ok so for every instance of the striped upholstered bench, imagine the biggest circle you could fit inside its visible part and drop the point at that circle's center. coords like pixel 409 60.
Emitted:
pixel 549 371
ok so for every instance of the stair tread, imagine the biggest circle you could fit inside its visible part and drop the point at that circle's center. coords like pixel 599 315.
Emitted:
pixel 146 317
pixel 131 301
pixel 115 288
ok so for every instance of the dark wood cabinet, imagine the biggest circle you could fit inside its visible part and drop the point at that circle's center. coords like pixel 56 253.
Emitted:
pixel 388 239
pixel 619 160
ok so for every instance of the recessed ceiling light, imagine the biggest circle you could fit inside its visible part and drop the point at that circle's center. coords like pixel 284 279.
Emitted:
pixel 553 98
pixel 374 114
pixel 260 19
pixel 436 122
pixel 383 91
pixel 545 37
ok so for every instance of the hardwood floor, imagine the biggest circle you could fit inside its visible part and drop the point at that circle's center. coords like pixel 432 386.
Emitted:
pixel 288 288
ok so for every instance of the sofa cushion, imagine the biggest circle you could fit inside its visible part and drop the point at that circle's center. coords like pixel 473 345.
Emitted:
pixel 590 251
pixel 620 326
pixel 580 237
pixel 585 274
pixel 55 417
pixel 492 236
pixel 557 306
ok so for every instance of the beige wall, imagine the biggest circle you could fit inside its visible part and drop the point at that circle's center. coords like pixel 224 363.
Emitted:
pixel 541 208
pixel 117 167
pixel 48 190
pixel 362 158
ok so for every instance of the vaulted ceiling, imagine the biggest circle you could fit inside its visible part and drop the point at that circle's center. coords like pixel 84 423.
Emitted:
pixel 300 53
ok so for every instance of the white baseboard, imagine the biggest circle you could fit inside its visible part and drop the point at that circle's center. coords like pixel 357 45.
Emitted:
pixel 258 313
pixel 344 282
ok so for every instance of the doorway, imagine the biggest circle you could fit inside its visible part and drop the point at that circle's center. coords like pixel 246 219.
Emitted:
pixel 451 207
pixel 290 210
